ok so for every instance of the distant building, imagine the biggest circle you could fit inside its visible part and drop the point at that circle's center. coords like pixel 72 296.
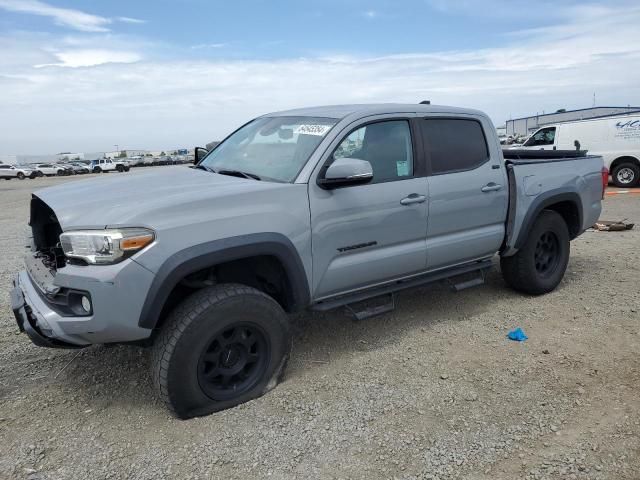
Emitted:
pixel 527 125
pixel 37 158
pixel 128 153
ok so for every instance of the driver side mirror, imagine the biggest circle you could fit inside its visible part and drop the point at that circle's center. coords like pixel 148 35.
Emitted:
pixel 346 172
pixel 198 154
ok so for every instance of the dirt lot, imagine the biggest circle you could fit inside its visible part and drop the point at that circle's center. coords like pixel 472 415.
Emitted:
pixel 433 390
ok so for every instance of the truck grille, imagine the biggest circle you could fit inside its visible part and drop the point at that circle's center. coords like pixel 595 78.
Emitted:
pixel 45 231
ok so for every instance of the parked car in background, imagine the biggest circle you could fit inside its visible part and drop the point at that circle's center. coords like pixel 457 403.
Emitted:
pixel 68 168
pixel 80 168
pixel 122 164
pixel 103 165
pixel 313 208
pixel 135 161
pixel 616 139
pixel 16 171
pixel 148 161
pixel 50 169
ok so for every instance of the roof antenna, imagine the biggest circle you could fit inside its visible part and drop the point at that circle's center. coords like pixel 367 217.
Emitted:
pixel 425 102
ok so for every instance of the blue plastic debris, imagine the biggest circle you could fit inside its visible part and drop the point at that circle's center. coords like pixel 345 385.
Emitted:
pixel 517 335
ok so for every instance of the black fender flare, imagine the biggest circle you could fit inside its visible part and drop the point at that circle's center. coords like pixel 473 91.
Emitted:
pixel 197 257
pixel 543 201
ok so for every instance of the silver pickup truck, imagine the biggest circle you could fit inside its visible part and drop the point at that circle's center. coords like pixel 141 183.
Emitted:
pixel 314 208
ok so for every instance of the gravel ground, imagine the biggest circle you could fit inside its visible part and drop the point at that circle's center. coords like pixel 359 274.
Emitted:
pixel 432 390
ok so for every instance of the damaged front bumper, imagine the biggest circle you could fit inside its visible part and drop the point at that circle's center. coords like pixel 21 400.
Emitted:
pixel 46 305
pixel 32 322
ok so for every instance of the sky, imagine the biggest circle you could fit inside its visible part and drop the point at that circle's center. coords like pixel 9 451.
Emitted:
pixel 84 76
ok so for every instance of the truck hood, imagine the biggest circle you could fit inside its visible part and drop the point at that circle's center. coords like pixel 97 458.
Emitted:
pixel 143 199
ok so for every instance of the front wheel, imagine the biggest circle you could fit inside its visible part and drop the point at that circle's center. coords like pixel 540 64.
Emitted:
pixel 20 176
pixel 60 173
pixel 539 265
pixel 223 346
pixel 120 168
pixel 97 170
pixel 626 175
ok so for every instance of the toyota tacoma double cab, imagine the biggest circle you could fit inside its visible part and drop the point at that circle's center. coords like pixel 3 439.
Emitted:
pixel 314 208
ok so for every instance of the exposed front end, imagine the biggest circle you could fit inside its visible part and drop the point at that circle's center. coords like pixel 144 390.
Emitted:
pixel 64 302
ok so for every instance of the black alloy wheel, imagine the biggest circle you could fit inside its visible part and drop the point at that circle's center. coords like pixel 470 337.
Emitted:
pixel 547 254
pixel 539 265
pixel 234 361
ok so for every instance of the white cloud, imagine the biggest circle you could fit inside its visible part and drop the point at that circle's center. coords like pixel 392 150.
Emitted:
pixel 201 46
pixel 370 14
pixel 152 103
pixel 61 16
pixel 66 17
pixel 90 58
pixel 130 20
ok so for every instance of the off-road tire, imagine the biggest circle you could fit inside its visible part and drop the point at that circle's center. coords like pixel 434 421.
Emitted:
pixel 524 272
pixel 188 334
pixel 631 176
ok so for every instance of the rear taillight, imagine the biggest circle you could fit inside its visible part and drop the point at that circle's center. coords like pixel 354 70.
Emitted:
pixel 605 180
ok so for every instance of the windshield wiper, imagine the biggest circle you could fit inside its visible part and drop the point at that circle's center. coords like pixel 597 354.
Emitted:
pixel 238 173
pixel 205 168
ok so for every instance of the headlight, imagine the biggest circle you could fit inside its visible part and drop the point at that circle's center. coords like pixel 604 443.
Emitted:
pixel 105 246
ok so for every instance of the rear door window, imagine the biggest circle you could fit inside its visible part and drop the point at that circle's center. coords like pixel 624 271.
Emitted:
pixel 453 144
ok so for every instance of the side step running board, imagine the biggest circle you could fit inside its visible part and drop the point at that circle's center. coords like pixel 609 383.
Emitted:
pixel 478 279
pixel 374 310
pixel 340 301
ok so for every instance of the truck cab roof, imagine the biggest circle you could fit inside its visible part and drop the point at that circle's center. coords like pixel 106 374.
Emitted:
pixel 363 110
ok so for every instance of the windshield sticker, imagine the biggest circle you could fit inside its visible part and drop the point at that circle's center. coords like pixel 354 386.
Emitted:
pixel 318 130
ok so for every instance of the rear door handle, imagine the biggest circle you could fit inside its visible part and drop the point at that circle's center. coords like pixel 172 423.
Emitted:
pixel 491 187
pixel 413 198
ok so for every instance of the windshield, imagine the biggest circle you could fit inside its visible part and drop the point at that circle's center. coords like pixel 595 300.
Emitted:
pixel 270 148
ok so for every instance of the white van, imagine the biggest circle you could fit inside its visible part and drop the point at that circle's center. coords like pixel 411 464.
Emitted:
pixel 617 139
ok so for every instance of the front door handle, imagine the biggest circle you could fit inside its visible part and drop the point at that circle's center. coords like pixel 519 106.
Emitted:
pixel 413 198
pixel 491 187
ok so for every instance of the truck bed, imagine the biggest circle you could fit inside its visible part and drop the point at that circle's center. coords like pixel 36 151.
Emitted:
pixel 571 175
pixel 534 156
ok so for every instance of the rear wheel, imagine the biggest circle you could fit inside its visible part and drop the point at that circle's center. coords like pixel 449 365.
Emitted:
pixel 539 265
pixel 60 173
pixel 40 174
pixel 120 168
pixel 626 175
pixel 223 346
pixel 97 169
